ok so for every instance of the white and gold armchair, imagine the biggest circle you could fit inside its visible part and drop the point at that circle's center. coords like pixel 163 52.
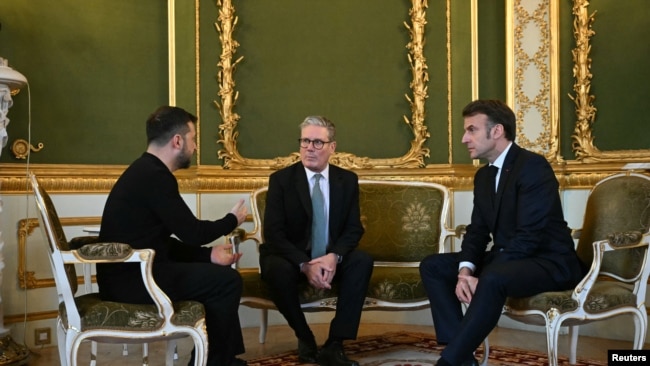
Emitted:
pixel 87 317
pixel 614 240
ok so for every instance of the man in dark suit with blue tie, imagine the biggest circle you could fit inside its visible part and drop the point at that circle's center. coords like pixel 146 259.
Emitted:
pixel 517 207
pixel 312 226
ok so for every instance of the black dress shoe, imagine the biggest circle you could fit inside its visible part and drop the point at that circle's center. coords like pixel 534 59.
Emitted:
pixel 238 362
pixel 333 355
pixel 307 351
pixel 471 362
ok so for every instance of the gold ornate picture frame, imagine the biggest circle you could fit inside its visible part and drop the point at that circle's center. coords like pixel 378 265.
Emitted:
pixel 228 95
pixel 583 137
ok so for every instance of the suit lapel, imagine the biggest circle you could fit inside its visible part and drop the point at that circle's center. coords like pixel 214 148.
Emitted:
pixel 336 197
pixel 302 186
pixel 504 177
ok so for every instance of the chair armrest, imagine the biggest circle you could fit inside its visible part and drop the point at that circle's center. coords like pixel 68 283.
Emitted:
pixel 576 233
pixel 105 252
pixel 123 253
pixel 460 231
pixel 628 239
pixel 614 241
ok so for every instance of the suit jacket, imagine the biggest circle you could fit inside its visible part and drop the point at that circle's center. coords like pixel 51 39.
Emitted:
pixel 288 214
pixel 525 220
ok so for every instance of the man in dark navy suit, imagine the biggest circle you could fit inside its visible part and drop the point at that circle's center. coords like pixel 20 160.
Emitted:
pixel 298 249
pixel 517 207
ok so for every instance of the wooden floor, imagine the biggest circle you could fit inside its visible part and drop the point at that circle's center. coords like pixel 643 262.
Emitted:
pixel 280 339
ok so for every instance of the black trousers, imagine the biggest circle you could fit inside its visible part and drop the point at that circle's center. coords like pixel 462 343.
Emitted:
pixel 464 333
pixel 218 288
pixel 353 276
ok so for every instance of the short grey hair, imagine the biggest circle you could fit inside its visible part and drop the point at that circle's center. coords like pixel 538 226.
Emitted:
pixel 320 121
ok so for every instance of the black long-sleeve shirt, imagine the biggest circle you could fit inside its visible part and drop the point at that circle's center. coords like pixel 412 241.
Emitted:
pixel 144 209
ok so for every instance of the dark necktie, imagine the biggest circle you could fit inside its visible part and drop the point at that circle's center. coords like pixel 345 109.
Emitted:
pixel 318 229
pixel 493 176
pixel 494 171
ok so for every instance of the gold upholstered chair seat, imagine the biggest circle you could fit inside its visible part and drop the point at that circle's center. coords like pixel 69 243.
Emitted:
pixel 604 296
pixel 98 314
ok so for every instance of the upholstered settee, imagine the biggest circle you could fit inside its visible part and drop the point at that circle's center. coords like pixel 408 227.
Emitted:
pixel 403 222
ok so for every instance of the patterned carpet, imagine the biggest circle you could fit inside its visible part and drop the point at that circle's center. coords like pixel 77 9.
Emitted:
pixel 415 349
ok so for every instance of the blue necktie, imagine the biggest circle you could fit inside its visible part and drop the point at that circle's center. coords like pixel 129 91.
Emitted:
pixel 318 229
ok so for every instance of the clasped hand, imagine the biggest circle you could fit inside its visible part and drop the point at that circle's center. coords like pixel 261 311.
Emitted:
pixel 320 271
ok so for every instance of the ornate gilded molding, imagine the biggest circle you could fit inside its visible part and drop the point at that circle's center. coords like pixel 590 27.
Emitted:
pixel 228 95
pixel 532 64
pixel 583 139
pixel 27 279
pixel 213 179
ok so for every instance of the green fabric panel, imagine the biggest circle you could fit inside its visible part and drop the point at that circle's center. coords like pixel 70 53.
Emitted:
pixel 411 229
pixel 619 53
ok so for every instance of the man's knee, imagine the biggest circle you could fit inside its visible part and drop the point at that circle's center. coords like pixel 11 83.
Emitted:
pixel 360 258
pixel 438 266
pixel 277 269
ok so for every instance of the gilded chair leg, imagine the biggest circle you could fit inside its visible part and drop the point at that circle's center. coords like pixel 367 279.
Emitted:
pixel 574 331
pixel 93 353
pixel 640 328
pixel 264 323
pixel 552 334
pixel 171 354
pixel 145 354
pixel 61 342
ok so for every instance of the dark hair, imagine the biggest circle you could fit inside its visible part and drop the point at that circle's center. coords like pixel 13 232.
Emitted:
pixel 166 122
pixel 497 112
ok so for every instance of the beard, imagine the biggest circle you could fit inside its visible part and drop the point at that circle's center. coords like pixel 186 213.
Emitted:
pixel 183 161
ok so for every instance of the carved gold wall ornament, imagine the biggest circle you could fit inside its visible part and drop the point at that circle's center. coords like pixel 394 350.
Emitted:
pixel 228 95
pixel 583 139
pixel 532 82
pixel 21 148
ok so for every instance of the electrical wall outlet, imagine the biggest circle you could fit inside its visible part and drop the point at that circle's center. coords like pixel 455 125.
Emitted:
pixel 42 336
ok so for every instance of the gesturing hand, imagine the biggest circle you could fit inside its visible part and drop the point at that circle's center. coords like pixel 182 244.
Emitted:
pixel 240 211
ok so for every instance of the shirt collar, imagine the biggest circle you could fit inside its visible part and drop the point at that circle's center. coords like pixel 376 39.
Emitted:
pixel 502 157
pixel 325 173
